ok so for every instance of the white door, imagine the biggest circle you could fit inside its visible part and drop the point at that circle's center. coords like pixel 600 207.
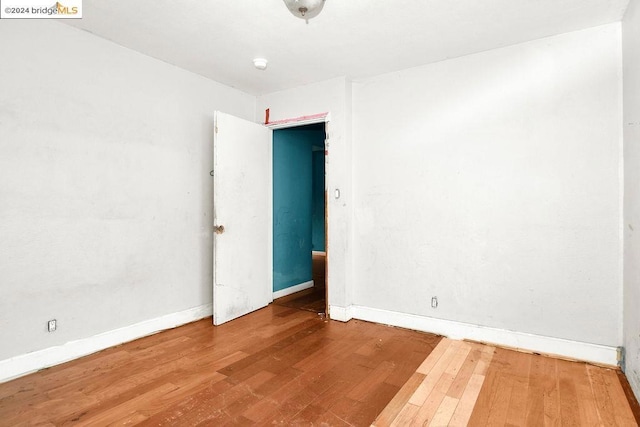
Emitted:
pixel 242 215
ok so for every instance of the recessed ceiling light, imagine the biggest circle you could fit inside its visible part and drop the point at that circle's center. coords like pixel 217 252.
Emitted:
pixel 260 63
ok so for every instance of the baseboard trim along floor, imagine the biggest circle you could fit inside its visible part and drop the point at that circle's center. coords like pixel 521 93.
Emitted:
pixel 292 289
pixel 595 353
pixel 24 364
pixel 31 362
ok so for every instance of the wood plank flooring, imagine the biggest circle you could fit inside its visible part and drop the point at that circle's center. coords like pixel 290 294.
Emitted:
pixel 275 366
pixel 291 367
pixel 313 299
pixel 463 383
pixel 445 387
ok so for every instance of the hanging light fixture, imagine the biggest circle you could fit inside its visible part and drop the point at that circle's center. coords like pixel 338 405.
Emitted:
pixel 305 9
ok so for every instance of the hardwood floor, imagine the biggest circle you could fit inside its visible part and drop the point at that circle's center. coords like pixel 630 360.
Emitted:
pixel 462 383
pixel 313 299
pixel 275 366
pixel 286 366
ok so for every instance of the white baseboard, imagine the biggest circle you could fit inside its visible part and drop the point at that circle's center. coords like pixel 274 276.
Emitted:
pixel 292 289
pixel 577 350
pixel 343 314
pixel 27 363
pixel 24 364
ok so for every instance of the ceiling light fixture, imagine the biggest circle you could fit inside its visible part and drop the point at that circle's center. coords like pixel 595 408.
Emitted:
pixel 305 9
pixel 260 63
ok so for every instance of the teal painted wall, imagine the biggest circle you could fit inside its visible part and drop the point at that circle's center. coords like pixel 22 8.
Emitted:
pixel 293 204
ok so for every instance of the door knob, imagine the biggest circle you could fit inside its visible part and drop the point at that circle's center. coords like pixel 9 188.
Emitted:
pixel 218 229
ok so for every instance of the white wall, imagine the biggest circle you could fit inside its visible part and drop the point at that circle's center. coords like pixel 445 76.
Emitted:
pixel 105 193
pixel 492 181
pixel 333 96
pixel 631 127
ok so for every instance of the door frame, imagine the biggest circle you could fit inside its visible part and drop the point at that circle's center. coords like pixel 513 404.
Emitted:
pixel 303 121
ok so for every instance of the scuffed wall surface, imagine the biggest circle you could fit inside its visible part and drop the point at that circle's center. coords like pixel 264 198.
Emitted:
pixel 105 193
pixel 493 182
pixel 631 129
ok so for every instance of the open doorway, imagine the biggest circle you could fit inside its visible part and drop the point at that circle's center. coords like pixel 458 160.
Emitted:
pixel 299 217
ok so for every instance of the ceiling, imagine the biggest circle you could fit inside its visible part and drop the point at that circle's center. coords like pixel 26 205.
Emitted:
pixel 355 38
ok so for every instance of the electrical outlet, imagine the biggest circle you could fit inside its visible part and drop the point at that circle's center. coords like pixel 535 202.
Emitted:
pixel 52 325
pixel 434 302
